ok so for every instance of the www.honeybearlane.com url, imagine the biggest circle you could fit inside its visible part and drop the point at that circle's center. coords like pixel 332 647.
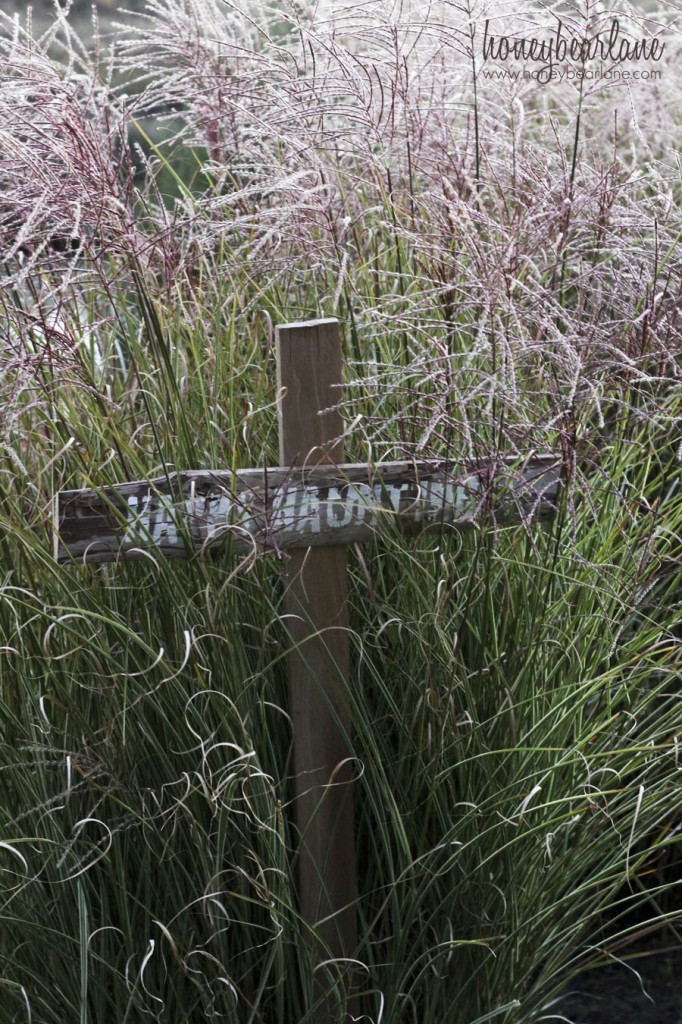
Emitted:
pixel 561 56
pixel 557 74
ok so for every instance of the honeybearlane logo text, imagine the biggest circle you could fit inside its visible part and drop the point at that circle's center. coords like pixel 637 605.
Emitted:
pixel 611 48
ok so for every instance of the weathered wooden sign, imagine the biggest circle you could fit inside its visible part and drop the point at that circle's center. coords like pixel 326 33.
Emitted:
pixel 281 508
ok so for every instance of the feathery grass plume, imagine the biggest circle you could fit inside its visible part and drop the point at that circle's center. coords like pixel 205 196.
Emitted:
pixel 517 261
pixel 64 209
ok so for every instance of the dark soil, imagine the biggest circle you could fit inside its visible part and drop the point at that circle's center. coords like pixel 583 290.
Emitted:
pixel 644 989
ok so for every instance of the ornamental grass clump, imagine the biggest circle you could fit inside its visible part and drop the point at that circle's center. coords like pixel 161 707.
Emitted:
pixel 502 252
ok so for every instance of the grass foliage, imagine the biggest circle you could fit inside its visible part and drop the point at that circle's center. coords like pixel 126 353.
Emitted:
pixel 503 258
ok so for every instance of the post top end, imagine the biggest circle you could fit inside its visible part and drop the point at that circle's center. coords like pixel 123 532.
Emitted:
pixel 323 322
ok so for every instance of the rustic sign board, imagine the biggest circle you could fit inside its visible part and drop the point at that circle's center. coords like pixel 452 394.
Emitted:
pixel 282 508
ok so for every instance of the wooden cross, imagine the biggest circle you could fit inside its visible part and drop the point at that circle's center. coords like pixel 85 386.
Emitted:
pixel 312 506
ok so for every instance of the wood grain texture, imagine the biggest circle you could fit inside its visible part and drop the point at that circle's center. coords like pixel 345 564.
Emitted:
pixel 288 507
pixel 309 372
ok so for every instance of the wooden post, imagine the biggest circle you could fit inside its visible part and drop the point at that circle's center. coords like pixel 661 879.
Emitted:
pixel 309 373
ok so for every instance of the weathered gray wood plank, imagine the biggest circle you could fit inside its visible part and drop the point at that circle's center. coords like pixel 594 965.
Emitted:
pixel 282 508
